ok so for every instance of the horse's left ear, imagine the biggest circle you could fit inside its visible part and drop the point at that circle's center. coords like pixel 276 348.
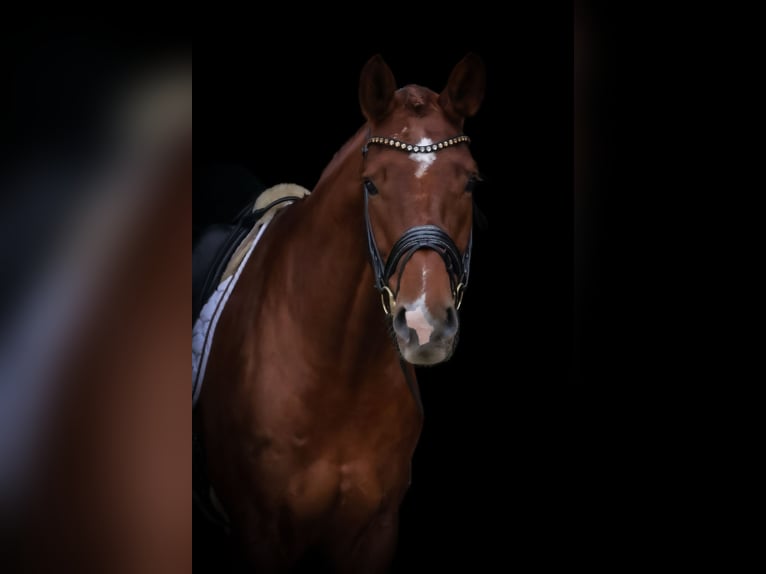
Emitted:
pixel 465 88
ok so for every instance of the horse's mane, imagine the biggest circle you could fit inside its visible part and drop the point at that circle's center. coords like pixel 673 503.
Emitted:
pixel 353 145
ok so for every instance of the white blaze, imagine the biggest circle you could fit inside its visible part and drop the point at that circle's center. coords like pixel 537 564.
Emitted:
pixel 423 159
pixel 417 319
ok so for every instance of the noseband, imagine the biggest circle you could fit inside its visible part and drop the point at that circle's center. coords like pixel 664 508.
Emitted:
pixel 415 238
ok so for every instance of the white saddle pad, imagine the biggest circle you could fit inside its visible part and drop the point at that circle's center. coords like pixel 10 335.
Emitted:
pixel 204 327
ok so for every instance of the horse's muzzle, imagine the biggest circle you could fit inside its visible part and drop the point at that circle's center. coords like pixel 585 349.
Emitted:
pixel 422 338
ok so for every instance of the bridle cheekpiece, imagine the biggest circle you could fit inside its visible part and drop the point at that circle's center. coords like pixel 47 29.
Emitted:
pixel 415 238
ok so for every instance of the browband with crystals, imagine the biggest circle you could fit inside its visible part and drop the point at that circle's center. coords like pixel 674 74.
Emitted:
pixel 403 146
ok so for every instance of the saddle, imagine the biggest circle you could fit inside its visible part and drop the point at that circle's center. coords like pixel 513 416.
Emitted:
pixel 212 252
pixel 218 243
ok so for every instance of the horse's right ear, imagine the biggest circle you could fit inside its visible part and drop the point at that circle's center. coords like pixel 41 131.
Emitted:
pixel 376 89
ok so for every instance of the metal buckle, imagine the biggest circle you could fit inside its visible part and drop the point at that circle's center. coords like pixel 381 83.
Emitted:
pixel 386 293
pixel 459 292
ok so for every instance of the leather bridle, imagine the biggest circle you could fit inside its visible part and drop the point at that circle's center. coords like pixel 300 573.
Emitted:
pixel 415 238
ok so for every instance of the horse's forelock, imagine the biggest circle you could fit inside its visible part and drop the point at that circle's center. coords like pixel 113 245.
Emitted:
pixel 418 100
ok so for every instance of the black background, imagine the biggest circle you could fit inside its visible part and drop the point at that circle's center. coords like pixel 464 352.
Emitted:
pixel 501 456
pixel 602 448
pixel 537 445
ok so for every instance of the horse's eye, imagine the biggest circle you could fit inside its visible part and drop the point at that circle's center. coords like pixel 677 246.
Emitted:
pixel 471 184
pixel 369 187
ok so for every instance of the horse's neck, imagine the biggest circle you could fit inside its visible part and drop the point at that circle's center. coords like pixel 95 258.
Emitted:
pixel 330 285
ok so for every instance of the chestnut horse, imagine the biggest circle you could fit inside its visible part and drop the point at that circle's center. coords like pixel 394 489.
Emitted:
pixel 309 414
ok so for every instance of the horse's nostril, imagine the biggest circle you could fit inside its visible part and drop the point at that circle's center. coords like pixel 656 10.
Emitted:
pixel 400 324
pixel 450 323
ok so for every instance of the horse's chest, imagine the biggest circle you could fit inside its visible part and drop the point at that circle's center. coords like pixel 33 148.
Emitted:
pixel 352 462
pixel 350 491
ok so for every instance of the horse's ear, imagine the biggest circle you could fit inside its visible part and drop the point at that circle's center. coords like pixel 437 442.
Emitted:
pixel 465 88
pixel 376 89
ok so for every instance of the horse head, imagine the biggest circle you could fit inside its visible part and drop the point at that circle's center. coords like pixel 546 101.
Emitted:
pixel 418 176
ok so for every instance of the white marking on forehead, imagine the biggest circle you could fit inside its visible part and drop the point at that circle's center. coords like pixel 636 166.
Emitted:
pixel 417 319
pixel 424 159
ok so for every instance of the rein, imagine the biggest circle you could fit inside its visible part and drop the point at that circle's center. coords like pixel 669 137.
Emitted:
pixel 415 238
